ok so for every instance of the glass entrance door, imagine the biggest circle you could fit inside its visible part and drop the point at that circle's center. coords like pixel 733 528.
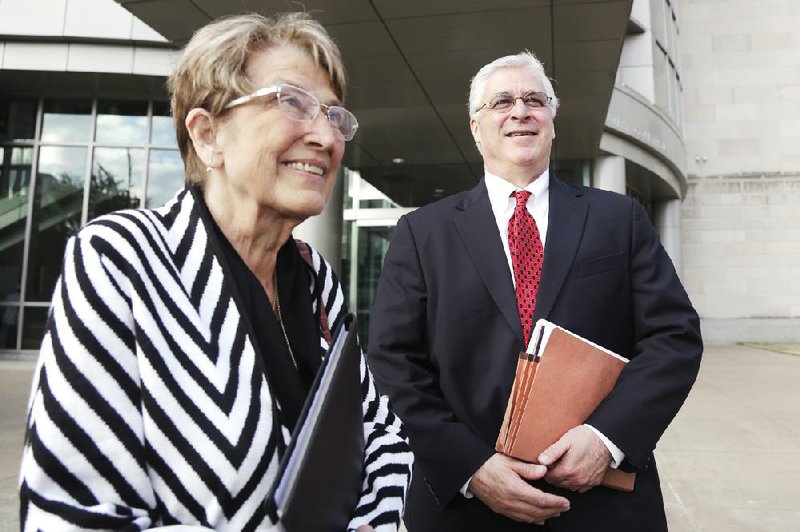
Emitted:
pixel 367 247
pixel 369 221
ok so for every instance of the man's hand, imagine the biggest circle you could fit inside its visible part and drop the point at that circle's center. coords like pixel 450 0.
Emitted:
pixel 500 484
pixel 577 461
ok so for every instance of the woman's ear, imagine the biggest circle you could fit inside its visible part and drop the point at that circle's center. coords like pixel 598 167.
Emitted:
pixel 202 130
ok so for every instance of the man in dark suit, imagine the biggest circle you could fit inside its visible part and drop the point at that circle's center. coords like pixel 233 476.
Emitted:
pixel 463 280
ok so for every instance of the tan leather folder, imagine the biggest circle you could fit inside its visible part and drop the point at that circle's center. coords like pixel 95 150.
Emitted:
pixel 558 384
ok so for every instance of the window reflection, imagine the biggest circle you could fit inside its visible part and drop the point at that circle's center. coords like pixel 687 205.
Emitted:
pixel 165 178
pixel 66 120
pixel 57 207
pixel 62 181
pixel 33 327
pixel 17 119
pixel 15 169
pixel 163 132
pixel 116 181
pixel 9 316
pixel 121 122
pixel 372 245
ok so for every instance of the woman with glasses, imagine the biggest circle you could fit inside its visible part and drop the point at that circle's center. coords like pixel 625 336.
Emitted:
pixel 183 340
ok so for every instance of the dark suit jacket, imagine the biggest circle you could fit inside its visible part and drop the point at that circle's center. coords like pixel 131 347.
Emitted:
pixel 445 334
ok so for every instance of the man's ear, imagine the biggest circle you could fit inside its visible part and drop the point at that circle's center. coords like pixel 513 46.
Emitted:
pixel 476 135
pixel 473 126
pixel 202 130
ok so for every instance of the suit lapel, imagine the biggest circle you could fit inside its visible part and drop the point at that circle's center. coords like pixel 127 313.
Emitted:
pixel 565 227
pixel 475 223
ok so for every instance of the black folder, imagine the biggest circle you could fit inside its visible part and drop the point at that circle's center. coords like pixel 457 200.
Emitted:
pixel 320 475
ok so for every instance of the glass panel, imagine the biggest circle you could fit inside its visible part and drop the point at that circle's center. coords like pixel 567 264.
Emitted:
pixel 15 172
pixel 672 32
pixel 372 245
pixel 34 323
pixel 117 175
pixel 163 133
pixel 369 197
pixel 66 120
pixel 9 316
pixel 572 170
pixel 346 265
pixel 121 122
pixel 17 120
pixel 658 20
pixel 165 178
pixel 57 207
pixel 661 78
pixel 351 180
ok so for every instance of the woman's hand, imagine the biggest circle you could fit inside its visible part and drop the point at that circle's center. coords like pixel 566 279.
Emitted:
pixel 365 528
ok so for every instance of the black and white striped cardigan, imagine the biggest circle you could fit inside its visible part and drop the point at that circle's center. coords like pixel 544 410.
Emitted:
pixel 149 406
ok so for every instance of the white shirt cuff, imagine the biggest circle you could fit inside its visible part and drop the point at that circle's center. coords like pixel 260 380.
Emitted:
pixel 617 456
pixel 465 489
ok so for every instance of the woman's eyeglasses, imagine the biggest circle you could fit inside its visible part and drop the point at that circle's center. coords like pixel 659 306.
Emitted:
pixel 301 105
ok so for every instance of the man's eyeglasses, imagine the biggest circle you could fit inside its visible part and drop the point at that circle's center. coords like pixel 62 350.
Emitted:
pixel 301 105
pixel 504 102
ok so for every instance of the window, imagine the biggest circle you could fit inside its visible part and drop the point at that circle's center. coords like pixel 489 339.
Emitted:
pixel 117 180
pixel 121 122
pixel 665 56
pixel 17 120
pixel 80 158
pixel 67 121
pixel 162 134
pixel 166 176
pixel 57 206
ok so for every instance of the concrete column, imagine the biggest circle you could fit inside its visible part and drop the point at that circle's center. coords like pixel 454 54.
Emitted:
pixel 609 173
pixel 667 214
pixel 324 231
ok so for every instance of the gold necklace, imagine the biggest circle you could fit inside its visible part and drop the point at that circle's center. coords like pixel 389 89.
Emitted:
pixel 276 307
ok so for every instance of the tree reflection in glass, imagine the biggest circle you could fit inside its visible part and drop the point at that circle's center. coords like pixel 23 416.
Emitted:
pixel 116 181
pixel 15 173
pixel 56 215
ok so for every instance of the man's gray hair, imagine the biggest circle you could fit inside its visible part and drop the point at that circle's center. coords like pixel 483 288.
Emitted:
pixel 521 60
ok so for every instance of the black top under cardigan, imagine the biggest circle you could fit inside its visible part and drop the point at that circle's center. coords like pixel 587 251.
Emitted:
pixel 290 384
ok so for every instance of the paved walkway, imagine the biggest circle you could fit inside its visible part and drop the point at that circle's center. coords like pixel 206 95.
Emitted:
pixel 15 383
pixel 729 462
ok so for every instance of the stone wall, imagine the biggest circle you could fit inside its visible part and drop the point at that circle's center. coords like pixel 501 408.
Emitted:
pixel 741 256
pixel 740 65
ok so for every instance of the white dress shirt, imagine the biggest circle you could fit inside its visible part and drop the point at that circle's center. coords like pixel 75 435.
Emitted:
pixel 538 205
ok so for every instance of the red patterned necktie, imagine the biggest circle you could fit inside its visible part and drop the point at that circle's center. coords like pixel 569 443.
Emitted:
pixel 527 254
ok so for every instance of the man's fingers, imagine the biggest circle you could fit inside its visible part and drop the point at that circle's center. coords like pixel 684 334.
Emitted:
pixel 532 505
pixel 582 464
pixel 501 484
pixel 547 500
pixel 551 455
pixel 528 471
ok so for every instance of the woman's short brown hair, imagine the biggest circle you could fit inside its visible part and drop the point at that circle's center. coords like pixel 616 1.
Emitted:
pixel 211 70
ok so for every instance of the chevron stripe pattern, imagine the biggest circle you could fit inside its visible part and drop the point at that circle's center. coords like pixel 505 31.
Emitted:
pixel 150 407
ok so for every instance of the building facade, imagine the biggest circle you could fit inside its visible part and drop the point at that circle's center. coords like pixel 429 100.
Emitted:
pixel 85 129
pixel 682 125
pixel 741 220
